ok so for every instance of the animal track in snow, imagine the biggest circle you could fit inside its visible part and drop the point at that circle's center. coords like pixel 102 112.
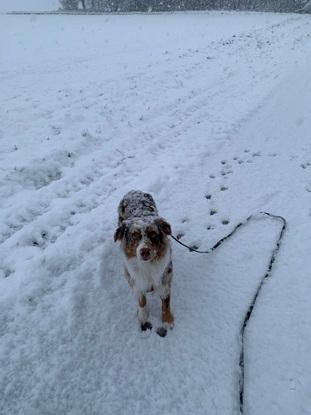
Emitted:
pixel 305 165
pixel 5 272
pixel 226 172
pixel 256 154
pixel 56 130
pixel 226 168
pixel 248 153
pixel 225 221
pixel 213 212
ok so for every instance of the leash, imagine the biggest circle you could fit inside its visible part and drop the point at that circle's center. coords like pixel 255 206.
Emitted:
pixel 255 296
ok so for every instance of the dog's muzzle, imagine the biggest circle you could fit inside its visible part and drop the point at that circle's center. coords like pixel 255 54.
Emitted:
pixel 145 254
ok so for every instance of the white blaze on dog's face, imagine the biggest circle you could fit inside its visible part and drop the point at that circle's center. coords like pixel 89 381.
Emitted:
pixel 145 240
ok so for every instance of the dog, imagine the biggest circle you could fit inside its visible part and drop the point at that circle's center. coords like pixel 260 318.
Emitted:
pixel 146 253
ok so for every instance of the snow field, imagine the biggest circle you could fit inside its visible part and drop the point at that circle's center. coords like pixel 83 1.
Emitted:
pixel 209 113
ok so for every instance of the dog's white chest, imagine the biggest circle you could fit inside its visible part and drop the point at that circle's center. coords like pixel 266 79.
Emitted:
pixel 147 275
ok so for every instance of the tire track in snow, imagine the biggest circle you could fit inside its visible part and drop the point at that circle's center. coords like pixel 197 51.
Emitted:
pixel 95 166
pixel 195 102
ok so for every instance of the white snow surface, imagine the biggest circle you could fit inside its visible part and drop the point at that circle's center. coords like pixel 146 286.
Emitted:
pixel 210 112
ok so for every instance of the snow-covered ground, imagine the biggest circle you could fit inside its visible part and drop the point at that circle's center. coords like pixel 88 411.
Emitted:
pixel 211 114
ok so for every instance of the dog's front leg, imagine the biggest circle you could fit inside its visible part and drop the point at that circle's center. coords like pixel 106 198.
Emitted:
pixel 143 313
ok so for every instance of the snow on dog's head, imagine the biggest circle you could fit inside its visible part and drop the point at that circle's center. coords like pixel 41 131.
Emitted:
pixel 144 238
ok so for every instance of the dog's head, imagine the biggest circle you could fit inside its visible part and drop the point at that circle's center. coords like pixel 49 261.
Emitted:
pixel 146 240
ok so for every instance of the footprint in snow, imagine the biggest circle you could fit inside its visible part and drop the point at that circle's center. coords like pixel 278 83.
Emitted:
pixel 5 273
pixel 56 130
pixel 41 241
pixel 226 172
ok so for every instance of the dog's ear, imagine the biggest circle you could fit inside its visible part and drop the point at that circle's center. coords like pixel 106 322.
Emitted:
pixel 119 233
pixel 164 226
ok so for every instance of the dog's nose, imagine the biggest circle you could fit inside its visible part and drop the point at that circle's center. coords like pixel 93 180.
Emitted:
pixel 145 253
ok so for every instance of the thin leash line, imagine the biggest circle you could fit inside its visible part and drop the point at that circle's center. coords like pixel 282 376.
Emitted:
pixel 252 305
pixel 254 299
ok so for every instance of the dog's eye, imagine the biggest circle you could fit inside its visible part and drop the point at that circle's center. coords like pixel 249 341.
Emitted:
pixel 136 235
pixel 153 235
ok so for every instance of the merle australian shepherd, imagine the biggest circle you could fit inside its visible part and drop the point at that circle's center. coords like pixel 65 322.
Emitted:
pixel 147 254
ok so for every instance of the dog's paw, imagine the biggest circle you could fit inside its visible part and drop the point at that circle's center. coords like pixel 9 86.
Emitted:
pixel 168 325
pixel 161 331
pixel 146 326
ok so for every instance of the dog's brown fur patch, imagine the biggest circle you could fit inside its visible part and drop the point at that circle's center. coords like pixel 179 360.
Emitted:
pixel 167 275
pixel 142 301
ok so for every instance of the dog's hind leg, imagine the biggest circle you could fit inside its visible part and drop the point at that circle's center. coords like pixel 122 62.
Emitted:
pixel 167 316
pixel 165 294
